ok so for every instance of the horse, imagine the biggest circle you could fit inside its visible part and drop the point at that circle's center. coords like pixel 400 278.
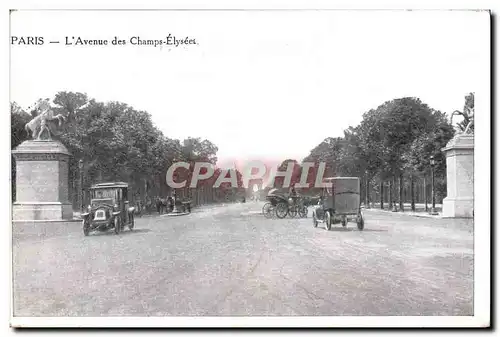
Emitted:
pixel 311 201
pixel 45 121
pixel 164 205
pixel 468 117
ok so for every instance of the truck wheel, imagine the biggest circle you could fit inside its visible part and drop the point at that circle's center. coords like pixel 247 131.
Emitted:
pixel 361 223
pixel 117 224
pixel 328 221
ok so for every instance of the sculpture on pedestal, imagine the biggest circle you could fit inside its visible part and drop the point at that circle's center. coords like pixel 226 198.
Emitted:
pixel 42 168
pixel 45 124
pixel 459 152
pixel 467 114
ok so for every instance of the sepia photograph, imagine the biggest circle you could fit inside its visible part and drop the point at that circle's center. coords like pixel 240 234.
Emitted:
pixel 251 168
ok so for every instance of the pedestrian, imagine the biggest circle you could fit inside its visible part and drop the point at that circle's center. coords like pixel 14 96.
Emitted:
pixel 158 205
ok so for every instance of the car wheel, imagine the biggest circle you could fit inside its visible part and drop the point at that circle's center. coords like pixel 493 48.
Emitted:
pixel 315 220
pixel 86 228
pixel 328 221
pixel 117 224
pixel 131 222
pixel 281 210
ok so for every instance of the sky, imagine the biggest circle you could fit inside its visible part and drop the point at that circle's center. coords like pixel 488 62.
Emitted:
pixel 258 84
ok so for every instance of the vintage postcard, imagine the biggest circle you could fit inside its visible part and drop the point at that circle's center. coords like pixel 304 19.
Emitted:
pixel 250 168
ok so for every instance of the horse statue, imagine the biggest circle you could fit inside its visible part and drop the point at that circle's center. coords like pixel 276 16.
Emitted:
pixel 45 123
pixel 468 115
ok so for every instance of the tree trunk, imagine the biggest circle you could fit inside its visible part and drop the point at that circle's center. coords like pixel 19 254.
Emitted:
pixel 412 192
pixel 425 194
pixel 391 204
pixel 395 194
pixel 80 198
pixel 417 191
pixel 362 192
pixel 401 198
pixel 381 194
pixel 367 190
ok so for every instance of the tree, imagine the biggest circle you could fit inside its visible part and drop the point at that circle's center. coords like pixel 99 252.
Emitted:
pixel 279 181
pixel 117 142
pixel 388 133
pixel 18 119
pixel 69 103
pixel 18 134
pixel 327 152
pixel 390 143
pixel 430 144
pixel 196 149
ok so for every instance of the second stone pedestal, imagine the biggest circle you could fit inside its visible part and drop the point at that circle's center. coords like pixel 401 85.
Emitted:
pixel 459 201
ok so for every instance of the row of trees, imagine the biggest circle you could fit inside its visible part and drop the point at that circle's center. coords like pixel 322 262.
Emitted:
pixel 390 152
pixel 390 148
pixel 118 143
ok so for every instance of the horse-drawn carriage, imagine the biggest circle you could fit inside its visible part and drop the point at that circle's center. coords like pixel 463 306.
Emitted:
pixel 339 203
pixel 281 204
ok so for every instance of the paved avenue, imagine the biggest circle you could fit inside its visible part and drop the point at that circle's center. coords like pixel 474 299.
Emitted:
pixel 230 260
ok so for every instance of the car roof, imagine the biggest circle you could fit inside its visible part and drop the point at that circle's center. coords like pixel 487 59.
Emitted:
pixel 118 184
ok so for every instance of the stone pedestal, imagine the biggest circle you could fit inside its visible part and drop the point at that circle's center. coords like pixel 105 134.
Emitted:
pixel 41 182
pixel 459 201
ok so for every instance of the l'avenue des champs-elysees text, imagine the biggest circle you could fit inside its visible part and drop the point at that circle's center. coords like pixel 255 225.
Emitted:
pixel 169 40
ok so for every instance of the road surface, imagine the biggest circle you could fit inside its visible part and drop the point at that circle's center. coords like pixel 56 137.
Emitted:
pixel 230 260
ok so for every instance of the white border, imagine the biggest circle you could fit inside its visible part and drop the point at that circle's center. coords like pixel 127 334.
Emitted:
pixel 291 321
pixel 482 188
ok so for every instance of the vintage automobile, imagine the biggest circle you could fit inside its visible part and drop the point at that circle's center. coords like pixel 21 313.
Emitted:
pixel 109 209
pixel 339 204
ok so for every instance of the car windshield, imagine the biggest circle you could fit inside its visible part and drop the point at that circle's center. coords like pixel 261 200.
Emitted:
pixel 97 202
pixel 102 193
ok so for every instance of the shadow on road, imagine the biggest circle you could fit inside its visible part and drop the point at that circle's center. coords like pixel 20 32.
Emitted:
pixel 125 232
pixel 354 229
